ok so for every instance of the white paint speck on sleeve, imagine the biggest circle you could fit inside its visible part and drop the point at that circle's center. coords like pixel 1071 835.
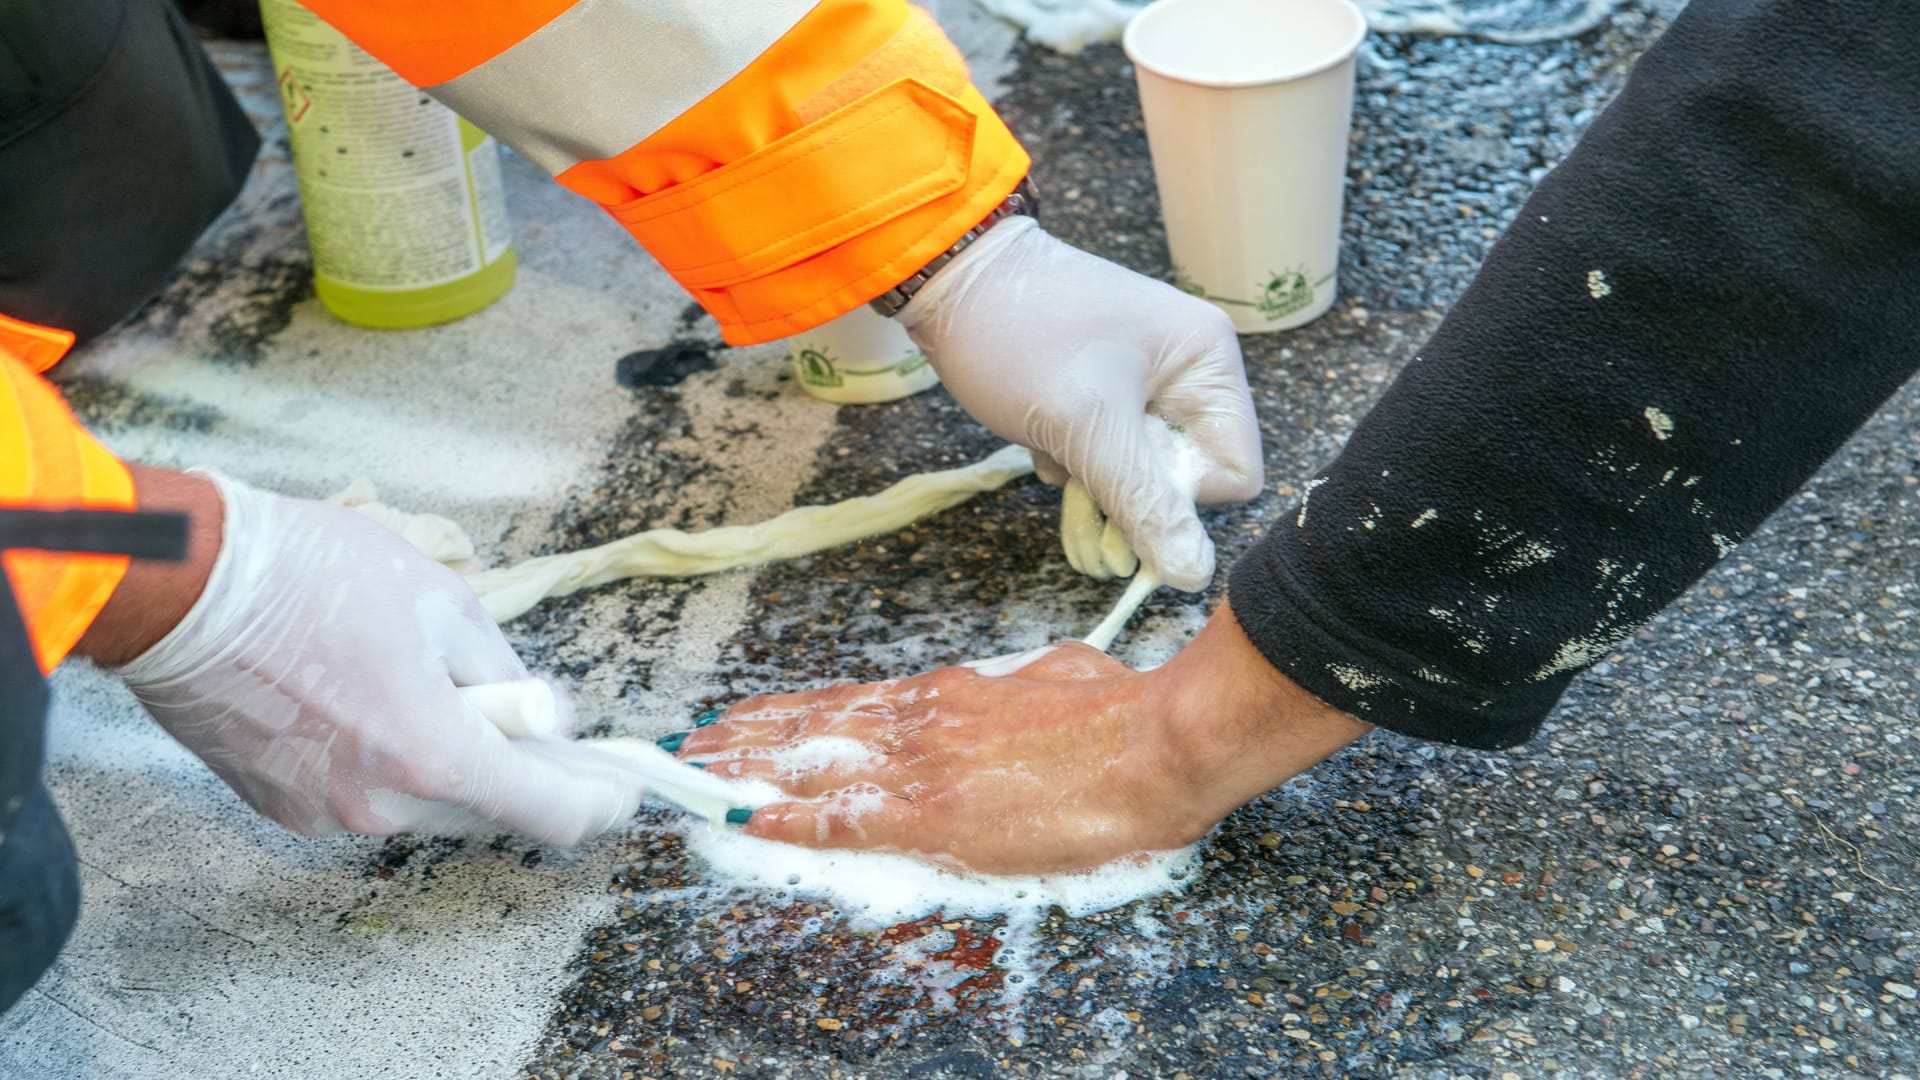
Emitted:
pixel 1305 494
pixel 1660 422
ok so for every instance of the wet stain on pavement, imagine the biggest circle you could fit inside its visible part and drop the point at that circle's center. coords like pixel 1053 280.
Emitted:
pixel 111 406
pixel 664 366
pixel 242 288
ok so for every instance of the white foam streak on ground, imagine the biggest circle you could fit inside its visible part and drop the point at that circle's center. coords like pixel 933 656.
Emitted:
pixel 875 890
pixel 915 963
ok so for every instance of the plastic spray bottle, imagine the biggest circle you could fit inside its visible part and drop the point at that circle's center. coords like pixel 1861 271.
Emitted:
pixel 403 198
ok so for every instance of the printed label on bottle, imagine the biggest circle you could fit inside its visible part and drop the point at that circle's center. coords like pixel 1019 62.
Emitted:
pixel 383 175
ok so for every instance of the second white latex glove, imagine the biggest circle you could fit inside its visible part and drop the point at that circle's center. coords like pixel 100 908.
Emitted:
pixel 1124 383
pixel 317 675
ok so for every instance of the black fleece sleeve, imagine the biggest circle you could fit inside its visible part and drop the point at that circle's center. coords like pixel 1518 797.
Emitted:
pixel 1718 286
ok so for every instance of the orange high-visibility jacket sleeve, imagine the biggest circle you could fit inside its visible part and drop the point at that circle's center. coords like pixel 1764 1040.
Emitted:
pixel 49 463
pixel 785 160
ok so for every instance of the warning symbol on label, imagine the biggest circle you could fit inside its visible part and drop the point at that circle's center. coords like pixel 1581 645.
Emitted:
pixel 294 97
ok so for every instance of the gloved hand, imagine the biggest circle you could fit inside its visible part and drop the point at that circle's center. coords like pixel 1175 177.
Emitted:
pixel 1124 383
pixel 317 676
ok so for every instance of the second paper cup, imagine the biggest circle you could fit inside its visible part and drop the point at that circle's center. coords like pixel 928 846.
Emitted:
pixel 860 358
pixel 1248 105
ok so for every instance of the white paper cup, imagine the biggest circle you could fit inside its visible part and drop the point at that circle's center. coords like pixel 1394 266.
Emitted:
pixel 859 358
pixel 1248 104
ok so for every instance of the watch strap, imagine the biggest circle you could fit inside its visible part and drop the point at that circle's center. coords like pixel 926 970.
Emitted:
pixel 1023 201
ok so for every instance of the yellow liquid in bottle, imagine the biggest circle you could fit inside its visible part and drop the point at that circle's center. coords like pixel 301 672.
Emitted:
pixel 403 309
pixel 403 199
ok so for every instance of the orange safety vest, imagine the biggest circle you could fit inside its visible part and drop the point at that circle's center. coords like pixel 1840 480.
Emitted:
pixel 47 461
pixel 785 160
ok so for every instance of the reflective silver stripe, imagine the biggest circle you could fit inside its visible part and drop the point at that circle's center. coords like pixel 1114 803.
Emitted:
pixel 607 73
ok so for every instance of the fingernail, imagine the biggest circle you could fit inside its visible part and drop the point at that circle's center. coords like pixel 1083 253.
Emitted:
pixel 738 816
pixel 672 742
pixel 698 764
pixel 706 718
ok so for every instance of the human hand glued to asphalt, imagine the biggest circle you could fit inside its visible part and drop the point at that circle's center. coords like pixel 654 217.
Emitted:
pixel 1092 366
pixel 1060 759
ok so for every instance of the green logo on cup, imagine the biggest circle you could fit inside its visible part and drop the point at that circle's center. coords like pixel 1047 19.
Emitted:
pixel 1285 292
pixel 815 368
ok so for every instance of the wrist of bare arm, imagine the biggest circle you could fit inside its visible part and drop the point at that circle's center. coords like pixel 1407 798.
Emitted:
pixel 1236 724
pixel 155 595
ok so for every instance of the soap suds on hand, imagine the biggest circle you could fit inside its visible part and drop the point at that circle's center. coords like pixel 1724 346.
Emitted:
pixel 821 753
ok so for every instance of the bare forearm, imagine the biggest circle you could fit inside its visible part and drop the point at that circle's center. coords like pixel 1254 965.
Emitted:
pixel 1239 726
pixel 155 595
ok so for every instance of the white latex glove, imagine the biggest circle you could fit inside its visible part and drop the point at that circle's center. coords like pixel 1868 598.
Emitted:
pixel 317 676
pixel 1124 383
